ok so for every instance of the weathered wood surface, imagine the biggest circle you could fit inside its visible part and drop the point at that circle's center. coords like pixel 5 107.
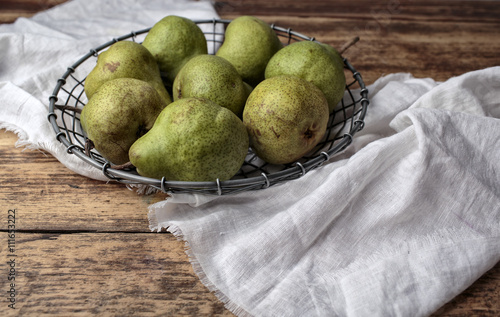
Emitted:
pixel 50 197
pixel 437 39
pixel 83 247
pixel 105 274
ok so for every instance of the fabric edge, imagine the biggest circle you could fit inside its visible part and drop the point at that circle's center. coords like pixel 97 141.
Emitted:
pixel 21 134
pixel 198 270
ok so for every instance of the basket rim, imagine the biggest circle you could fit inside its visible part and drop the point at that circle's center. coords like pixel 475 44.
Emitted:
pixel 211 187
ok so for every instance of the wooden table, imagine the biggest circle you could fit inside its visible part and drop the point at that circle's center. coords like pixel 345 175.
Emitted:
pixel 83 247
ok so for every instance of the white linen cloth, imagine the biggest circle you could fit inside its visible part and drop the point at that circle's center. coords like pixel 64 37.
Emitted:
pixel 398 224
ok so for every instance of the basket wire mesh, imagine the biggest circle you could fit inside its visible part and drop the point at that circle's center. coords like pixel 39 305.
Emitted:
pixel 68 98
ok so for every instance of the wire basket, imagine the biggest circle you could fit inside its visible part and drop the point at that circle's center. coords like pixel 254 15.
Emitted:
pixel 255 174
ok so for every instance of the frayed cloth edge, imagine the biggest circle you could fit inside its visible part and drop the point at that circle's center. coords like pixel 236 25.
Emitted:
pixel 198 270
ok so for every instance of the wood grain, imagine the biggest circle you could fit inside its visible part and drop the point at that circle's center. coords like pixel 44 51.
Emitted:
pixel 50 197
pixel 83 246
pixel 426 38
pixel 105 274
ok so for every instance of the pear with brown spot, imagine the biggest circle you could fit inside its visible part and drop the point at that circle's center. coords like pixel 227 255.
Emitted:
pixel 126 59
pixel 286 117
pixel 120 112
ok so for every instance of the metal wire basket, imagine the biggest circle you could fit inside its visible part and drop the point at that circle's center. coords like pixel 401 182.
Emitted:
pixel 255 174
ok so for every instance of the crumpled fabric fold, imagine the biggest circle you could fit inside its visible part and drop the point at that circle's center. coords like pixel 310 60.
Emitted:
pixel 398 224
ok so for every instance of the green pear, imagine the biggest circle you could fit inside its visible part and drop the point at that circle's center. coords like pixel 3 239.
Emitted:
pixel 118 113
pixel 173 41
pixel 212 77
pixel 249 44
pixel 315 62
pixel 285 116
pixel 193 139
pixel 125 59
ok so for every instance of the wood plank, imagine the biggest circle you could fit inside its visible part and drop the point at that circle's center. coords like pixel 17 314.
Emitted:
pixel 105 274
pixel 425 38
pixel 461 11
pixel 49 196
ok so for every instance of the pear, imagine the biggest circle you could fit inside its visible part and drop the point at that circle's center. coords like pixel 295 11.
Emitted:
pixel 285 116
pixel 249 44
pixel 118 113
pixel 214 78
pixel 126 59
pixel 193 139
pixel 315 62
pixel 173 41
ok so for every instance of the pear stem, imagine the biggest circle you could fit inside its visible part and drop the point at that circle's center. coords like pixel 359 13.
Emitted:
pixel 122 166
pixel 348 44
pixel 71 108
pixel 89 145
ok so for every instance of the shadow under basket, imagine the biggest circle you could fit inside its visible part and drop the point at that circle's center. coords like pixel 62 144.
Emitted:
pixel 68 98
